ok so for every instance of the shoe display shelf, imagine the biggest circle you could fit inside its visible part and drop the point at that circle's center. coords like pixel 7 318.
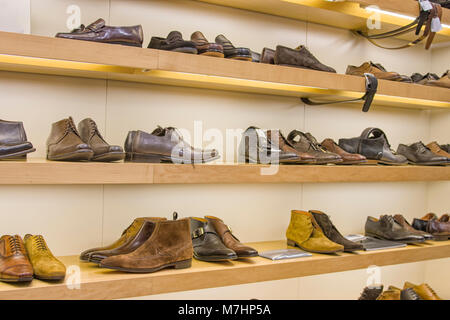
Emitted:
pixel 350 15
pixel 41 172
pixel 54 56
pixel 98 283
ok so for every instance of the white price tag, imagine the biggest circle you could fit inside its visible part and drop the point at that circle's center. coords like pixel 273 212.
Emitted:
pixel 426 5
pixel 436 25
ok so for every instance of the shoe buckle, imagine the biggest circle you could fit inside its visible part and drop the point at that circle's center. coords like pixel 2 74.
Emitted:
pixel 198 233
pixel 229 229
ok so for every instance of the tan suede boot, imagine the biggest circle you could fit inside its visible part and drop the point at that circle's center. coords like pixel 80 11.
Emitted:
pixel 305 233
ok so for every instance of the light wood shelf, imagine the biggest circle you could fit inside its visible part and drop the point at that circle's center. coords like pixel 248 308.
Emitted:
pixel 54 56
pixel 98 283
pixel 350 15
pixel 42 172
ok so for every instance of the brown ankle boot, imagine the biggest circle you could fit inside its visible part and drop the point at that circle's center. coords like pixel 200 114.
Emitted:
pixel 169 245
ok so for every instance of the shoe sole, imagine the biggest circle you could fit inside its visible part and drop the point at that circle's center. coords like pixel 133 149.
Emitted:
pixel 212 53
pixel 184 264
pixel 214 258
pixel 292 243
pixel 401 241
pixel 157 158
pixel 185 50
pixel 21 155
pixel 431 163
pixel 17 280
pixel 353 162
pixel 240 57
pixel 386 163
pixel 79 155
pixel 248 256
pixel 285 161
pixel 109 157
pixel 441 237
pixel 55 278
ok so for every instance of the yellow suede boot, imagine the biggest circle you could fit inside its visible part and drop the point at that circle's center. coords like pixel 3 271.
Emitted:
pixel 45 265
pixel 305 233
pixel 424 291
pixel 391 294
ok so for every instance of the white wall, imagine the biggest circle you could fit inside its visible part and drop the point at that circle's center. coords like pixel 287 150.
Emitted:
pixel 74 218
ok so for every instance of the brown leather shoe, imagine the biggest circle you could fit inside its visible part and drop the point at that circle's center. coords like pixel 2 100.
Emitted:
pixel 206 48
pixel 436 149
pixel 374 68
pixel 129 233
pixel 99 32
pixel 229 240
pixel 132 243
pixel 164 145
pixel 14 263
pixel 423 290
pixel 174 42
pixel 65 143
pixel 440 230
pixel 169 245
pixel 232 52
pixel 405 224
pixel 305 142
pixel 275 136
pixel 347 158
pixel 102 150
pixel 299 57
pixel 443 82
pixel 267 56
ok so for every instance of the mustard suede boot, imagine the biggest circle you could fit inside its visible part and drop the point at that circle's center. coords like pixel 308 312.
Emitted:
pixel 45 265
pixel 305 233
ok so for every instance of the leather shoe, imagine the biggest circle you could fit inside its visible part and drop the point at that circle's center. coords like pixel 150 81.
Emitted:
pixel 386 228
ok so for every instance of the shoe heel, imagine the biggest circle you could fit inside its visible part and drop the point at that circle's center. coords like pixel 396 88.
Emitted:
pixel 183 264
pixel 17 158
pixel 149 158
pixel 291 243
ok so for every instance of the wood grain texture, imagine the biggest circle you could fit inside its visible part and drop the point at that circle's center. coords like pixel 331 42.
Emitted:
pixel 97 283
pixel 37 171
pixel 45 55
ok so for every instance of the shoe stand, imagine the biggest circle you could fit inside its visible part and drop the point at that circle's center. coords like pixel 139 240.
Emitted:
pixel 83 205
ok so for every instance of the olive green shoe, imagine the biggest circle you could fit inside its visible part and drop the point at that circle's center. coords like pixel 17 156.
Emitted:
pixel 45 265
pixel 305 233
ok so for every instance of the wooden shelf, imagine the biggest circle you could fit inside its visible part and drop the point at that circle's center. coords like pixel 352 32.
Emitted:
pixel 98 283
pixel 53 172
pixel 45 55
pixel 349 15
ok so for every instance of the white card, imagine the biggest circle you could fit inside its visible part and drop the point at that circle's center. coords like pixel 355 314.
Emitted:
pixel 426 5
pixel 436 25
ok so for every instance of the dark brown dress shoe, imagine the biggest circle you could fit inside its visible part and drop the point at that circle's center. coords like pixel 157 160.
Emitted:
pixel 14 263
pixel 332 233
pixel 422 224
pixel 419 154
pixel 277 138
pixel 13 140
pixel 99 32
pixel 386 228
pixel 267 56
pixel 299 57
pixel 164 145
pixel 371 292
pixel 174 42
pixel 256 147
pixel 306 143
pixel 168 246
pixel 207 244
pixel 132 244
pixel 439 228
pixel 347 158
pixel 65 143
pixel 405 224
pixel 232 52
pixel 374 68
pixel 206 48
pixel 102 150
pixel 229 240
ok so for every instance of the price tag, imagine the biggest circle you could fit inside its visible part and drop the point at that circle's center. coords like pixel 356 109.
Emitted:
pixel 436 25
pixel 426 5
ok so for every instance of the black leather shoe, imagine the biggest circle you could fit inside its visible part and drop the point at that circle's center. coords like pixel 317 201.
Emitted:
pixel 371 292
pixel 332 233
pixel 173 42
pixel 207 244
pixel 13 140
pixel 420 154
pixel 231 52
pixel 386 228
pixel 374 145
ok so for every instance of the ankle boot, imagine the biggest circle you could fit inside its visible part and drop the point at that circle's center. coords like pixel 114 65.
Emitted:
pixel 169 245
pixel 305 233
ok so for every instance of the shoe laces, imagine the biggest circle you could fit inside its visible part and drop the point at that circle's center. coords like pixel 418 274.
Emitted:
pixel 40 243
pixel 15 245
pixel 421 148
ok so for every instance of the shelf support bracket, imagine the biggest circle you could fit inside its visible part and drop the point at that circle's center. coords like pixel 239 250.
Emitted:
pixel 371 89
